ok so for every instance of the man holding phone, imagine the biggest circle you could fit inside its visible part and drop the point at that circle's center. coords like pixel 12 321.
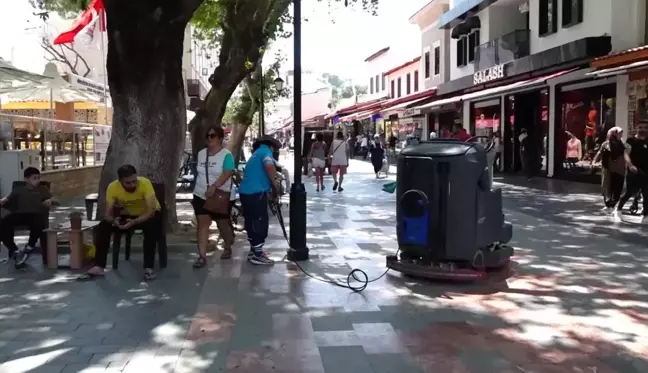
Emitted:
pixel 130 204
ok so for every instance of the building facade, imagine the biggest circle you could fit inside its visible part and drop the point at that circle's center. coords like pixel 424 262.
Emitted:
pixel 376 66
pixel 404 80
pixel 524 65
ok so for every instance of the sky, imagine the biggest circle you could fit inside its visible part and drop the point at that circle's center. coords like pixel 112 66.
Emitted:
pixel 335 39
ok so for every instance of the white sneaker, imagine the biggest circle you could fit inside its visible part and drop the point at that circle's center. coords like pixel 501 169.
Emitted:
pixel 617 215
pixel 607 210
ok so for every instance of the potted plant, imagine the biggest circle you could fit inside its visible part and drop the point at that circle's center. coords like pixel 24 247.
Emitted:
pixel 76 218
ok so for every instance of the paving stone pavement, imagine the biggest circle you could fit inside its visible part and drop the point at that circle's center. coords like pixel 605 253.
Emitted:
pixel 575 302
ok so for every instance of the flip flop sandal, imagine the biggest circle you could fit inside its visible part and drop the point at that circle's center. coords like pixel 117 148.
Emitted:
pixel 149 276
pixel 200 262
pixel 227 254
pixel 88 276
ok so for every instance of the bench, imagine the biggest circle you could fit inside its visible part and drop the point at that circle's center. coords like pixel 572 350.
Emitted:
pixel 45 217
pixel 92 199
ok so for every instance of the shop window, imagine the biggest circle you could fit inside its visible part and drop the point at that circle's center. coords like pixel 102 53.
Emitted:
pixel 399 87
pixel 392 92
pixel 427 64
pixel 437 60
pixel 408 84
pixel 462 45
pixel 486 119
pixel 473 43
pixel 548 17
pixel 586 116
pixel 416 81
pixel 572 12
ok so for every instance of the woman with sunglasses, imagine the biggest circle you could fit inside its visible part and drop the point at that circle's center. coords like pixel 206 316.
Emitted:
pixel 214 170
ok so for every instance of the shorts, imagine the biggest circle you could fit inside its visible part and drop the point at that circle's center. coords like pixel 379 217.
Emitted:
pixel 319 163
pixel 199 209
pixel 339 168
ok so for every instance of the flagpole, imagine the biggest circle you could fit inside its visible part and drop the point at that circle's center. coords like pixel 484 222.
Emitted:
pixel 102 28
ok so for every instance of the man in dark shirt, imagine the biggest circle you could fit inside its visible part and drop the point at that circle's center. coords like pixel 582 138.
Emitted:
pixel 27 204
pixel 636 157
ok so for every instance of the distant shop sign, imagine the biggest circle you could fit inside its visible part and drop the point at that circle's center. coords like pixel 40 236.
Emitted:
pixel 411 112
pixel 86 84
pixel 488 75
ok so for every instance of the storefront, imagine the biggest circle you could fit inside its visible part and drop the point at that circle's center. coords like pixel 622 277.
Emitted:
pixel 585 112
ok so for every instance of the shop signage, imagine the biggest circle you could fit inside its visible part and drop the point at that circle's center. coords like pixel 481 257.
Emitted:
pixel 488 75
pixel 85 84
pixel 411 112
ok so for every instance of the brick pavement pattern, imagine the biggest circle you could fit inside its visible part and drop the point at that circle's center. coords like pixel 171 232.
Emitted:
pixel 575 302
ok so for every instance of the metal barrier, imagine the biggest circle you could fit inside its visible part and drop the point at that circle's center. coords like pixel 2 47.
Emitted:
pixel 61 144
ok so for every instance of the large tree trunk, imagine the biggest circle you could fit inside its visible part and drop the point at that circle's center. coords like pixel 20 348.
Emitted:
pixel 145 49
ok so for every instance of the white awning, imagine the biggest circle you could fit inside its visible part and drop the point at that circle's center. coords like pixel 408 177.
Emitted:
pixel 619 70
pixel 514 87
pixel 436 104
pixel 398 109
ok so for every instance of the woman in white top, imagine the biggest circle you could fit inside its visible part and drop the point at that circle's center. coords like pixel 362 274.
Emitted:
pixel 214 170
pixel 339 154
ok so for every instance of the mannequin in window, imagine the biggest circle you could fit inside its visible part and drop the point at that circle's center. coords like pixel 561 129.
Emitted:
pixel 590 129
pixel 574 150
pixel 609 120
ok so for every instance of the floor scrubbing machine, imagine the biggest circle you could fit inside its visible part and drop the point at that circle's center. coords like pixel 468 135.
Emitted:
pixel 450 220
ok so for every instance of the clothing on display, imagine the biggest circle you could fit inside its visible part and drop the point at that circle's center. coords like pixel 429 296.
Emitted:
pixel 574 150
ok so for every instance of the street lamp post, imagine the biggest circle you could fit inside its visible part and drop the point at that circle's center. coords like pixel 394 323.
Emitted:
pixel 298 250
pixel 278 82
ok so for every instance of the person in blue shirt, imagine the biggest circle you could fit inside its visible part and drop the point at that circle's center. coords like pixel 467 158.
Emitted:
pixel 257 187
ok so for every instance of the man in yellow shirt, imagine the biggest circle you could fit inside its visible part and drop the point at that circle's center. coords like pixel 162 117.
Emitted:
pixel 135 197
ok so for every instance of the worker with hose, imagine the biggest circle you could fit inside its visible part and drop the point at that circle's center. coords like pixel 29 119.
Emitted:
pixel 257 188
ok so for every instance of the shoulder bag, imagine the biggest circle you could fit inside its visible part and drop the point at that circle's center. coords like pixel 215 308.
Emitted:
pixel 217 203
pixel 336 148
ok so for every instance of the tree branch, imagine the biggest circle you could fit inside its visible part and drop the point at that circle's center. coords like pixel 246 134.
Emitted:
pixel 79 57
pixel 62 57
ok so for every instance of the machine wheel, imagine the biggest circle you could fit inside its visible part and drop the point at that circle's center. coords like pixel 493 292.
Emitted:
pixel 634 209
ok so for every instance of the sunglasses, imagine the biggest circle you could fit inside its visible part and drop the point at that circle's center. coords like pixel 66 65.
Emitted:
pixel 211 136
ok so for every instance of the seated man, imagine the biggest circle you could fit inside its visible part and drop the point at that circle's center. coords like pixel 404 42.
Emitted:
pixel 27 204
pixel 140 209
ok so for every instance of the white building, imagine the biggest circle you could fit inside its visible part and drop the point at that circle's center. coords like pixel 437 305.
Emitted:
pixel 376 66
pixel 524 64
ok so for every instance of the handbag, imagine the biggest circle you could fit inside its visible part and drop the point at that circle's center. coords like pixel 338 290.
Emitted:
pixel 217 203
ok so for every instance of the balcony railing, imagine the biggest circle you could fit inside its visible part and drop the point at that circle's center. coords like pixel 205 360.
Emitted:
pixel 507 47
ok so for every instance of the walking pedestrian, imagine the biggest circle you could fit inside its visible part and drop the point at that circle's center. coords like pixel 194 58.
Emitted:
pixel 258 186
pixel 339 161
pixel 636 159
pixel 497 148
pixel 214 170
pixel 364 146
pixel 317 157
pixel 613 167
pixel 377 156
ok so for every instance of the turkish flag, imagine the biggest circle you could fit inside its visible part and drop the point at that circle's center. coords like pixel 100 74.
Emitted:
pixel 84 26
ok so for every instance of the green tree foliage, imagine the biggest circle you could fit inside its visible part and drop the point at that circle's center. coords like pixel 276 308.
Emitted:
pixel 342 88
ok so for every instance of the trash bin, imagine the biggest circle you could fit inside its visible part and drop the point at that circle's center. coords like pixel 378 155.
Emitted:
pixel 446 208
